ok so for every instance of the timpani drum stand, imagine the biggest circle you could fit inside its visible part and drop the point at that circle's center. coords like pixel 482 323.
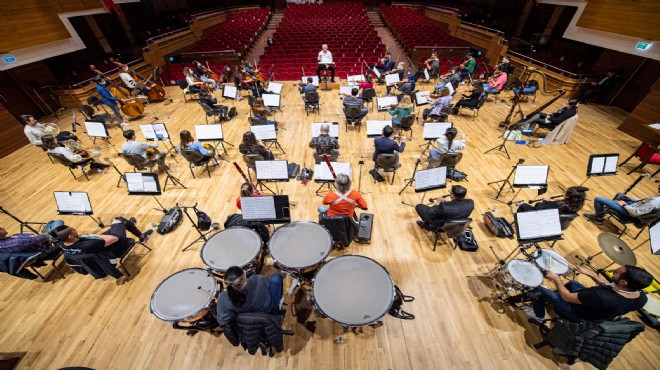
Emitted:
pixel 202 235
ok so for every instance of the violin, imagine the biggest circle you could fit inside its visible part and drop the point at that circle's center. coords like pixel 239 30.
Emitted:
pixel 210 74
pixel 129 107
pixel 156 92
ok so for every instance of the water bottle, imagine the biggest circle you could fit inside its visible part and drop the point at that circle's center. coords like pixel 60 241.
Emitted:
pixel 341 340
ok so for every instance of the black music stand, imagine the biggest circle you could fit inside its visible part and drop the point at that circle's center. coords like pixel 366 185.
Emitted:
pixel 271 171
pixel 214 134
pixel 141 183
pixel 121 175
pixel 425 180
pixel 266 209
pixel 411 180
pixel 533 227
pixel 98 130
pixel 323 175
pixel 22 223
pixel 325 77
pixel 506 181
pixel 268 135
pixel 361 163
pixel 158 132
pixel 433 131
pixel 75 203
pixel 602 165
pixel 202 234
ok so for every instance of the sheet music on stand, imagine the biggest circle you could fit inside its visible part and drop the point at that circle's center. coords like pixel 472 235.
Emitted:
pixel 264 132
pixel 422 97
pixel 96 129
pixel 385 102
pixel 272 170
pixel 140 183
pixel 274 88
pixel 209 132
pixel 229 92
pixel 434 130
pixel 346 89
pixel 434 178
pixel 334 129
pixel 322 172
pixel 537 226
pixel 391 79
pixel 426 74
pixel 355 79
pixel 155 131
pixel 451 88
pixel 73 202
pixel 603 164
pixel 531 176
pixel 271 100
pixel 654 236
pixel 377 72
pixel 375 128
pixel 315 80
pixel 267 209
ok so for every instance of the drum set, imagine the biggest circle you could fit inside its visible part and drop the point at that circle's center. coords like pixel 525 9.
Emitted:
pixel 350 290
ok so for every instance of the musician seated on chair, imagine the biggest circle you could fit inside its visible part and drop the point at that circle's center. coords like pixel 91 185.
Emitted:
pixel 206 97
pixel 325 63
pixel 188 142
pixel 248 295
pixel 354 101
pixel 385 145
pixel 432 65
pixel 132 146
pixel 495 83
pixel 307 88
pixel 443 210
pixel 247 190
pixel 35 130
pixel 200 71
pixel 605 301
pixel 572 202
pixel 402 110
pixel 22 243
pixel 252 145
pixel 448 143
pixel 589 91
pixel 344 200
pixel 129 81
pixel 401 71
pixel 407 86
pixel 471 100
pixel 453 78
pixel 80 155
pixel 324 143
pixel 386 64
pixel 468 66
pixel 368 83
pixel 626 208
pixel 194 83
pixel 259 107
pixel 113 240
pixel 442 100
pixel 528 87
pixel 550 121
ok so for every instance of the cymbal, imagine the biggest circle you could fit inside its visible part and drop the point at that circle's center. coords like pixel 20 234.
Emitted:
pixel 616 249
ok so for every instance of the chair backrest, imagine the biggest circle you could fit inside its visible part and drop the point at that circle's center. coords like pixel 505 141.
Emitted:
pixel 450 159
pixel 251 100
pixel 318 158
pixel 342 229
pixel 87 111
pixel 93 100
pixel 192 156
pixel 312 97
pixel 207 109
pixel 353 111
pixel 182 84
pixel 387 161
pixel 562 133
pixel 482 100
pixel 62 159
pixel 254 121
pixel 368 94
pixel 249 159
pixel 407 121
pixel 454 228
pixel 135 160
pixel 645 151
pixel 565 219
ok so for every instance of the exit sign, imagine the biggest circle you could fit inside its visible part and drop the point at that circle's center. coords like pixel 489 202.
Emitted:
pixel 9 59
pixel 643 45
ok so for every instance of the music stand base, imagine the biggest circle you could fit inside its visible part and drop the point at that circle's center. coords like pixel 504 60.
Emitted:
pixel 324 184
pixel 174 180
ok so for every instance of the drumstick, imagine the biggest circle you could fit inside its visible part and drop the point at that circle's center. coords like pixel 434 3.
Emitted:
pixel 207 292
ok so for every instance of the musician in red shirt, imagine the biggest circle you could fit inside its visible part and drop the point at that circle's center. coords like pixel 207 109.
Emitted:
pixel 247 190
pixel 344 200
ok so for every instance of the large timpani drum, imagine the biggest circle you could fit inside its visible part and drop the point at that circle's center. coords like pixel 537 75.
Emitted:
pixel 549 259
pixel 300 246
pixel 522 274
pixel 184 296
pixel 236 246
pixel 652 305
pixel 353 290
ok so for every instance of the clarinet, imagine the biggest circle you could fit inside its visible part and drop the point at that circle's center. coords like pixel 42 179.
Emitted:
pixel 632 186
pixel 332 171
pixel 541 200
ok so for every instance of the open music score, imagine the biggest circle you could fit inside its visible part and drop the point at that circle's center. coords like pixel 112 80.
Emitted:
pixel 346 89
pixel 451 88
pixel 322 172
pixel 375 128
pixel 386 102
pixel 229 91
pixel 422 97
pixel 355 79
pixel 209 132
pixel 264 132
pixel 140 183
pixel 434 130
pixel 334 129
pixel 271 100
pixel 535 226
pixel 274 88
pixel 267 209
pixel 73 202
pixel 603 164
pixel 654 237
pixel 531 176
pixel 315 80
pixel 96 129
pixel 155 131
pixel 391 79
pixel 272 170
pixel 434 178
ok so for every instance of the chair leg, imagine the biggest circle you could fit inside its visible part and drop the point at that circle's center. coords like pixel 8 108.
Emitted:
pixel 208 170
pixel 72 174
pixel 393 174
pixel 121 262
pixel 144 245
pixel 191 170
pixel 57 269
pixel 84 172
pixel 629 158
pixel 37 272
pixel 435 243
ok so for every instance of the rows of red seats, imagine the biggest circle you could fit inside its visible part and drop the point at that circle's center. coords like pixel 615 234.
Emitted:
pixel 413 29
pixel 345 27
pixel 236 33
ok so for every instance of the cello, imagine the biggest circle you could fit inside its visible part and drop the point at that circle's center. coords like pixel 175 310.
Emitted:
pixel 156 92
pixel 129 107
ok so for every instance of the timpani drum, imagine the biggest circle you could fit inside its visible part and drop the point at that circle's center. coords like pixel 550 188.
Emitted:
pixel 652 306
pixel 521 275
pixel 549 259
pixel 300 246
pixel 184 296
pixel 236 246
pixel 353 290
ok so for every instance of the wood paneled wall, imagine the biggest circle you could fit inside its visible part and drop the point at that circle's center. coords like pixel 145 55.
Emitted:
pixel 32 22
pixel 637 18
pixel 646 113
pixel 11 133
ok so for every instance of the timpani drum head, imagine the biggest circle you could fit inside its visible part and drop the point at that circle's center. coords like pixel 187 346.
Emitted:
pixel 178 298
pixel 353 290
pixel 652 305
pixel 549 258
pixel 525 272
pixel 236 246
pixel 300 244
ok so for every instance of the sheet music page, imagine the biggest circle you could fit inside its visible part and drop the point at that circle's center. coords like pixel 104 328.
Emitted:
pixel 434 130
pixel 63 201
pixel 434 177
pixel 355 79
pixel 376 72
pixel 597 165
pixel 386 101
pixel 315 80
pixel 346 89
pixel 274 87
pixel 134 182
pixel 655 126
pixel 161 131
pixel 148 132
pixel 208 132
pixel 95 129
pixel 76 202
pixel 451 88
pixel 258 208
pixel 538 224
pixel 375 128
pixel 422 97
pixel 530 175
pixel 391 79
pixel 611 164
pixel 334 129
pixel 264 132
pixel 229 92
pixel 271 100
pixel 272 170
pixel 654 235
pixel 426 74
pixel 149 183
pixel 322 172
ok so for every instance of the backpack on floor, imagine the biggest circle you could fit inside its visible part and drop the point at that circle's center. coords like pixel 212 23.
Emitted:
pixel 456 175
pixel 466 241
pixel 232 112
pixel 396 309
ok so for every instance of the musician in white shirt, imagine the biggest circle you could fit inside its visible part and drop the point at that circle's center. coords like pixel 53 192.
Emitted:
pixel 35 130
pixel 129 81
pixel 448 143
pixel 325 62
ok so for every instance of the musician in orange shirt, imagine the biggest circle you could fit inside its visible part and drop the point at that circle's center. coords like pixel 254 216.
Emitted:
pixel 344 200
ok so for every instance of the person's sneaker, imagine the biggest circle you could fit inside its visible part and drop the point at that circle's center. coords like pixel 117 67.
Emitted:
pixel 529 311
pixel 124 123
pixel 593 218
pixel 146 235
pixel 422 225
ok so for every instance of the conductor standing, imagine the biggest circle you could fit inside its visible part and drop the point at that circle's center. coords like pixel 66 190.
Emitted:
pixel 325 62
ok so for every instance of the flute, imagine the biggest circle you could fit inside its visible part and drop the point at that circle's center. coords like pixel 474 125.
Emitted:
pixel 540 200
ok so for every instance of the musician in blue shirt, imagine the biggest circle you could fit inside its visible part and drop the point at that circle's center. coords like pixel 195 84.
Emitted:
pixel 108 99
pixel 306 88
pixel 385 145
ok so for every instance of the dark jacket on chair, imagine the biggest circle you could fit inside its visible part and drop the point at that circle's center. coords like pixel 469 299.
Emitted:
pixel 256 330
pixel 96 264
pixel 13 264
pixel 342 228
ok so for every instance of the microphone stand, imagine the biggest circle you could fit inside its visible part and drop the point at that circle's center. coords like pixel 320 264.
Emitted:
pixel 506 181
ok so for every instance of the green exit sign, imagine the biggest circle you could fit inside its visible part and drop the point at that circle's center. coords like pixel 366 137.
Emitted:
pixel 643 45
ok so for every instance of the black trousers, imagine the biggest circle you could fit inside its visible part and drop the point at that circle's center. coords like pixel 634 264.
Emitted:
pixel 331 68
pixel 423 211
pixel 120 247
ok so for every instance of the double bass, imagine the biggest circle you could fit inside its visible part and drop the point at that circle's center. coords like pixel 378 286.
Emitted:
pixel 130 107
pixel 156 92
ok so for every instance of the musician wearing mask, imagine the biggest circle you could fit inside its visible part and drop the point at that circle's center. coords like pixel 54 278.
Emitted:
pixel 400 69
pixel 131 146
pixel 448 143
pixel 325 62
pixel 252 145
pixel 468 66
pixel 453 78
pixel 441 101
pixel 354 101
pixel 206 97
pixel 385 145
pixel 470 100
pixel 306 88
pixel 247 190
pixel 572 202
pixel 35 131
pixel 188 142
pixel 51 146
pixel 626 208
pixel 605 301
pixel 200 72
pixel 495 83
pixel 129 81
pixel 550 121
pixel 108 99
pixel 432 65
pixel 445 208
pixel 343 201
pixel 324 143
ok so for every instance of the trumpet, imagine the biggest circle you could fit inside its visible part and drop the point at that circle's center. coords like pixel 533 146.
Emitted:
pixel 49 129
